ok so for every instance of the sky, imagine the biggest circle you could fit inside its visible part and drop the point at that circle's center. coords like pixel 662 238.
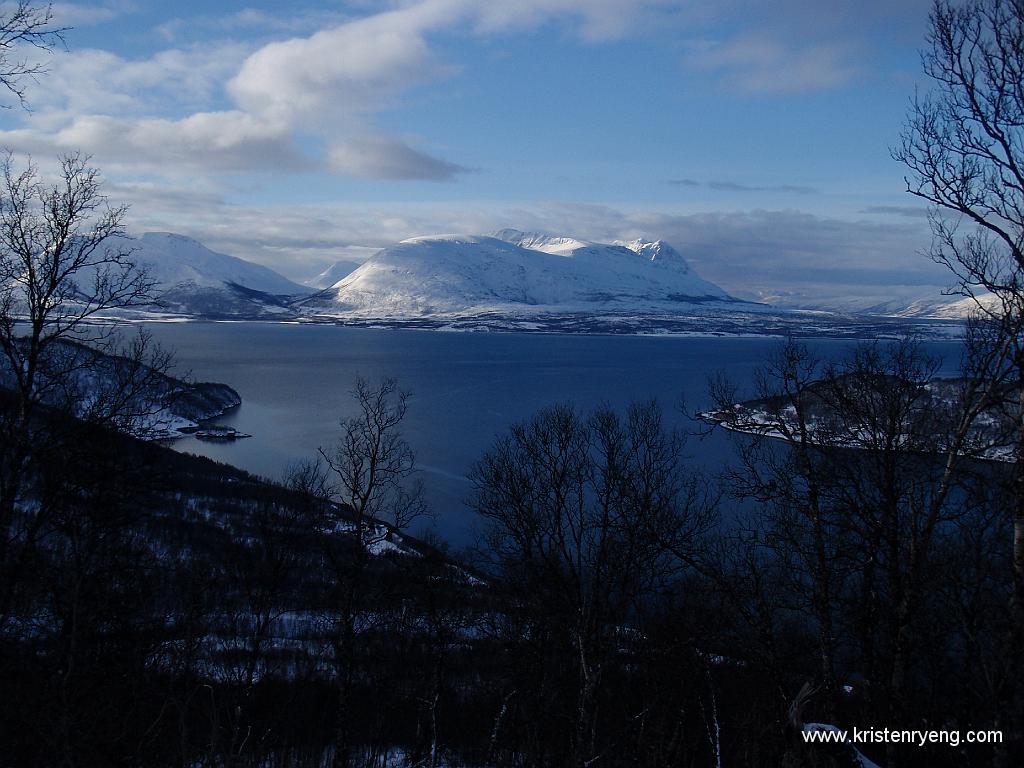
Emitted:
pixel 754 137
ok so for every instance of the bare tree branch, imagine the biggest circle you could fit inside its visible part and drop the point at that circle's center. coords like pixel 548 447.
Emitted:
pixel 25 24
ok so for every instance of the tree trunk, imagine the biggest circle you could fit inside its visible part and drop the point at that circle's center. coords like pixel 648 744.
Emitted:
pixel 1011 697
pixel 342 726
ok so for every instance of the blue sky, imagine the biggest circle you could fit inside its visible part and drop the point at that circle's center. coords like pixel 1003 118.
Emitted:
pixel 754 137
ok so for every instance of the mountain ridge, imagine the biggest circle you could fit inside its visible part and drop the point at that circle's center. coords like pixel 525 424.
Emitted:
pixel 517 273
pixel 511 278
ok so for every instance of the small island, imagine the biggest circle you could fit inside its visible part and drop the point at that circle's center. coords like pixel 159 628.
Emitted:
pixel 213 432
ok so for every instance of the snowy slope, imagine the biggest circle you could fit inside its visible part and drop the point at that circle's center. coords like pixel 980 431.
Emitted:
pixel 906 304
pixel 107 388
pixel 639 269
pixel 176 259
pixel 514 273
pixel 653 251
pixel 193 280
pixel 337 271
pixel 945 308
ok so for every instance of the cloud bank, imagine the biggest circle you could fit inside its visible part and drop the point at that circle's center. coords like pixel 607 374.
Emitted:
pixel 302 103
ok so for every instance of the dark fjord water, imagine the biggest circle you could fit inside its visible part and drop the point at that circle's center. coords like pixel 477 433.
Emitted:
pixel 466 388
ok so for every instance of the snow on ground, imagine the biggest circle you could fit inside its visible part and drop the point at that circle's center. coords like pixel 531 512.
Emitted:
pixel 985 439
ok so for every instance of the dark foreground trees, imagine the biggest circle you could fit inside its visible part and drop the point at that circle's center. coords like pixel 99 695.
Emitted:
pixel 870 486
pixel 372 468
pixel 57 369
pixel 849 578
pixel 577 512
pixel 180 613
pixel 963 144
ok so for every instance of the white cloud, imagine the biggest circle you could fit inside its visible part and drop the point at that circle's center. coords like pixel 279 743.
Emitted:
pixel 92 81
pixel 206 141
pixel 238 106
pixel 83 15
pixel 380 157
pixel 244 108
pixel 227 141
pixel 760 64
pixel 336 74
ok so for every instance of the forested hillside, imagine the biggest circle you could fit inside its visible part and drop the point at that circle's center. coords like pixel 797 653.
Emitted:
pixel 160 609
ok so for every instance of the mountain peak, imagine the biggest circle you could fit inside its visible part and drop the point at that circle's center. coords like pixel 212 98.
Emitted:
pixel 656 250
pixel 652 250
pixel 454 238
pixel 537 241
pixel 172 237
pixel 510 235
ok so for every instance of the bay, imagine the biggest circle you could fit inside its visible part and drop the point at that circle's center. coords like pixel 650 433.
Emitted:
pixel 467 388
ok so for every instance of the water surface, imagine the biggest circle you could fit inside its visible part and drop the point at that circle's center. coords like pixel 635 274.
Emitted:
pixel 295 383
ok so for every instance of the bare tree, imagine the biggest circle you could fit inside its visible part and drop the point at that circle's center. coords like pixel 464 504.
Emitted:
pixel 375 484
pixel 963 143
pixel 372 461
pixel 792 487
pixel 577 510
pixel 57 273
pixel 874 479
pixel 25 23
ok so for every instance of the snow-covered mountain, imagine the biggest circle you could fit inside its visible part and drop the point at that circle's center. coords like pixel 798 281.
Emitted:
pixel 193 280
pixel 902 302
pixel 516 274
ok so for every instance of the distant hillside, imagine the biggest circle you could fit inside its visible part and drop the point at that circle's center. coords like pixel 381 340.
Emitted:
pixel 904 302
pixel 123 392
pixel 195 281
